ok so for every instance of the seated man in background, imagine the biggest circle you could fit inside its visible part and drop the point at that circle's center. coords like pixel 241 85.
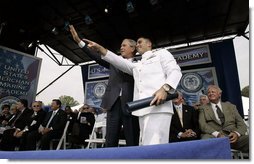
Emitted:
pixel 5 114
pixel 34 121
pixel 184 125
pixel 221 119
pixel 52 127
pixel 82 128
pixel 9 140
pixel 70 116
pixel 13 111
pixel 203 100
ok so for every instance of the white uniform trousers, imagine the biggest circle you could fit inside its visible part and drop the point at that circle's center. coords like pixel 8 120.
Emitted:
pixel 154 128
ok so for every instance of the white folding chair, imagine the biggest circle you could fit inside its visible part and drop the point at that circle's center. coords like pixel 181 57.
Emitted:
pixel 93 139
pixel 62 139
pixel 237 154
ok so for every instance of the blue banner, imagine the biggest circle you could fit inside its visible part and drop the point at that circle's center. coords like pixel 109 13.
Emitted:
pixel 96 71
pixel 195 83
pixel 18 76
pixel 192 56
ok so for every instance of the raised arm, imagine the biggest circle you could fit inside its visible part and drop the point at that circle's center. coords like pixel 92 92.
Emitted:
pixel 118 61
pixel 92 54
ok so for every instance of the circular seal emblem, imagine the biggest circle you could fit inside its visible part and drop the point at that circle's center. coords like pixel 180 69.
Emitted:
pixel 99 90
pixel 8 100
pixel 191 82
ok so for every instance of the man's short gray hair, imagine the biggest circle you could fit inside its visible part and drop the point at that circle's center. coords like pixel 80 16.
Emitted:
pixel 215 87
pixel 133 43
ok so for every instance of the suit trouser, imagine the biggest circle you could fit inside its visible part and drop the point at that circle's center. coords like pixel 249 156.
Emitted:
pixel 46 138
pixel 115 119
pixel 154 128
pixel 242 144
pixel 9 142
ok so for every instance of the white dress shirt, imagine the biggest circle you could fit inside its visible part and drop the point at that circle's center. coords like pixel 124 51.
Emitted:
pixel 179 110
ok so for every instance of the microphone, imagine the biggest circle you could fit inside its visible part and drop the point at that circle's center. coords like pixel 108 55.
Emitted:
pixel 142 103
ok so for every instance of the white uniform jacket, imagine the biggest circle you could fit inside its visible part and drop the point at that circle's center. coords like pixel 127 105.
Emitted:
pixel 154 70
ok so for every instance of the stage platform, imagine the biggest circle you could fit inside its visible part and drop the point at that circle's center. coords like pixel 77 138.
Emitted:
pixel 218 148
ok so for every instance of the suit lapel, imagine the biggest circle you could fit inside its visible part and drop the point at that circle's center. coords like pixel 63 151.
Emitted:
pixel 225 111
pixel 223 106
pixel 210 112
pixel 185 114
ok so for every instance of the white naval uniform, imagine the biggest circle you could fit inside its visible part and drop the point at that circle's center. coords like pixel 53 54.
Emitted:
pixel 154 70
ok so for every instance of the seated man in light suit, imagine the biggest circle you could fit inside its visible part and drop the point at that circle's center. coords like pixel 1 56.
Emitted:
pixel 221 119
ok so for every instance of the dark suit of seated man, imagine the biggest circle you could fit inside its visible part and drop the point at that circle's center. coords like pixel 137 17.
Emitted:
pixel 83 126
pixel 51 128
pixel 184 124
pixel 221 119
pixel 9 141
pixel 33 123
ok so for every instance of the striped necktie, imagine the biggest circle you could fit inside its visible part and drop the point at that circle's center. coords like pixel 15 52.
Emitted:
pixel 220 114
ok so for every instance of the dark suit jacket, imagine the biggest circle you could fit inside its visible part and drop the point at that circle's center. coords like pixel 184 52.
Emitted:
pixel 208 122
pixel 35 120
pixel 58 122
pixel 86 128
pixel 117 80
pixel 190 121
pixel 22 120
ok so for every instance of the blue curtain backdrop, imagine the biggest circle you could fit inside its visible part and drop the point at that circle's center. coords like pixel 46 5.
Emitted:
pixel 224 60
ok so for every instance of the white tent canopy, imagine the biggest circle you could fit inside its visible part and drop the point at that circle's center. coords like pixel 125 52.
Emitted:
pixel 76 107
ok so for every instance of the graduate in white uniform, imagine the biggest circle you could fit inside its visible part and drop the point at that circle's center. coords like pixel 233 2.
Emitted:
pixel 157 74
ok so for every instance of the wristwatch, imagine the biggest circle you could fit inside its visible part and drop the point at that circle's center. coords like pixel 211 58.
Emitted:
pixel 168 89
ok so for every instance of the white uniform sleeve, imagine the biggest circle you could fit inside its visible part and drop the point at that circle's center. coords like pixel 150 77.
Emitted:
pixel 170 67
pixel 119 62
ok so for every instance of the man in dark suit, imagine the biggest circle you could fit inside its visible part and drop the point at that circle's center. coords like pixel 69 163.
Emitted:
pixel 221 119
pixel 9 141
pixel 34 121
pixel 51 128
pixel 118 92
pixel 83 127
pixel 184 124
